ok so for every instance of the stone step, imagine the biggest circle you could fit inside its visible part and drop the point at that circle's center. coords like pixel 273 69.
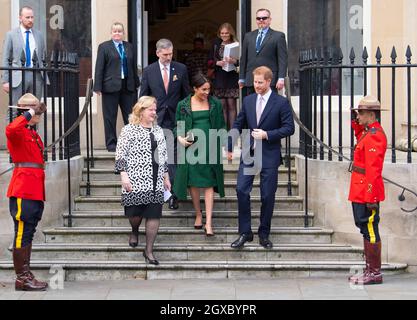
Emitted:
pixel 103 161
pixel 174 235
pixel 292 203
pixel 184 218
pixel 124 270
pixel 113 188
pixel 107 174
pixel 191 252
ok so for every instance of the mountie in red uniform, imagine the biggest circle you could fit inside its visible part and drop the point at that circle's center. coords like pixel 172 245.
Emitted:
pixel 26 190
pixel 25 146
pixel 367 185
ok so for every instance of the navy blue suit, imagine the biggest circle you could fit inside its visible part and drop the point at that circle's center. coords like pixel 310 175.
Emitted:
pixel 278 122
pixel 178 89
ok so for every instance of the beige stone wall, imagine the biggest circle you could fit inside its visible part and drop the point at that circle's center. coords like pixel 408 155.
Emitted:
pixel 4 27
pixel 328 194
pixel 393 24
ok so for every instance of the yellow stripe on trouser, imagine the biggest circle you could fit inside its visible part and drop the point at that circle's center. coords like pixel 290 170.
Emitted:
pixel 20 226
pixel 371 227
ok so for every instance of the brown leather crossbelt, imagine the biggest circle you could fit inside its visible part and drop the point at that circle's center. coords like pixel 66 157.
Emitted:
pixel 29 165
pixel 357 169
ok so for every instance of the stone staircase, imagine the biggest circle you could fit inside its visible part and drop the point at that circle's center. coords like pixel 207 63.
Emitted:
pixel 96 248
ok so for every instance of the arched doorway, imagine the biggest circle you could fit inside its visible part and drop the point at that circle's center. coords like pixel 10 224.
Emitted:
pixel 182 21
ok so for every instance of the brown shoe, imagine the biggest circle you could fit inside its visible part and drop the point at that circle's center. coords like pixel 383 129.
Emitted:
pixel 25 280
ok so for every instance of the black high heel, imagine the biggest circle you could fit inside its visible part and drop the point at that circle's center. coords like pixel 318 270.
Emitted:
pixel 154 262
pixel 134 236
pixel 199 227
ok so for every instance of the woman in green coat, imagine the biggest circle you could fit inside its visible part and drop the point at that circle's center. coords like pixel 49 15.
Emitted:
pixel 200 131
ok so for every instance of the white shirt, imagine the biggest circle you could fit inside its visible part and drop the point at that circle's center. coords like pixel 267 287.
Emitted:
pixel 32 43
pixel 161 67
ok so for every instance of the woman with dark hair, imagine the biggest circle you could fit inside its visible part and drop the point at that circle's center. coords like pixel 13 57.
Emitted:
pixel 225 83
pixel 199 149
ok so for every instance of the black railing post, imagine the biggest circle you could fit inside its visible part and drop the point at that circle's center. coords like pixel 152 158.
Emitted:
pixel 393 104
pixel 289 164
pixel 67 149
pixel 365 71
pixel 329 108
pixel 409 146
pixel 91 133
pixel 352 57
pixel 60 94
pixel 314 112
pixel 45 95
pixel 306 223
pixel 23 64
pixel 340 105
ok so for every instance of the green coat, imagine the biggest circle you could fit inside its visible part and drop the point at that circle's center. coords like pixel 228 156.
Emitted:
pixel 184 122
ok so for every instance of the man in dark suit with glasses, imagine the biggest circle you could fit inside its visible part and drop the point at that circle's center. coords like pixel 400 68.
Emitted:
pixel 263 47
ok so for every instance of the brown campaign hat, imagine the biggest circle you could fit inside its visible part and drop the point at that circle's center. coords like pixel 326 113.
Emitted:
pixel 369 103
pixel 26 101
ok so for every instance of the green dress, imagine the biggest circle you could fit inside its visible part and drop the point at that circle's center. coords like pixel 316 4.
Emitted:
pixel 201 175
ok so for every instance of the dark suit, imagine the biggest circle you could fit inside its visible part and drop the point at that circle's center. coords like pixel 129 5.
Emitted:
pixel 272 54
pixel 278 122
pixel 178 89
pixel 115 90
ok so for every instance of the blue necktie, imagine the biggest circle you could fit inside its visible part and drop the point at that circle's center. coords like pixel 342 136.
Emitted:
pixel 124 60
pixel 28 55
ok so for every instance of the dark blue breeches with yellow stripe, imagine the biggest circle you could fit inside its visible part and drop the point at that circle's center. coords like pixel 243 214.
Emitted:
pixel 367 221
pixel 26 215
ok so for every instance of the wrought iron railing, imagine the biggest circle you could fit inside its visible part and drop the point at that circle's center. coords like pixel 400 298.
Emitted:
pixel 321 79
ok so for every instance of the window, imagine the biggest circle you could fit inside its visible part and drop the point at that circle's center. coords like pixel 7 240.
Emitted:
pixel 66 25
pixel 327 25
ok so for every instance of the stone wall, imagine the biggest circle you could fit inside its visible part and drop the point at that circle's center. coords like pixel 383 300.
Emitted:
pixel 328 186
pixel 56 199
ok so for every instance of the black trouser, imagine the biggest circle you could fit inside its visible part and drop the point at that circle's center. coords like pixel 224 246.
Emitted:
pixel 126 99
pixel 26 214
pixel 367 221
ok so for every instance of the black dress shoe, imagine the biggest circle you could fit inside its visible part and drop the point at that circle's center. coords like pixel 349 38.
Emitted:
pixel 173 203
pixel 239 243
pixel 266 243
pixel 155 262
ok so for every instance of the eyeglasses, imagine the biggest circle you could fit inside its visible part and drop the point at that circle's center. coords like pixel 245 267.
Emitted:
pixel 262 18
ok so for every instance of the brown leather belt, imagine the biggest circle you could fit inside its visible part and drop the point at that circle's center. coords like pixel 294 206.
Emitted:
pixel 29 165
pixel 358 169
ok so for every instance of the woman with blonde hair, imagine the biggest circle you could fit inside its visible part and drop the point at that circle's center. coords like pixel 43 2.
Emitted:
pixel 141 159
pixel 225 83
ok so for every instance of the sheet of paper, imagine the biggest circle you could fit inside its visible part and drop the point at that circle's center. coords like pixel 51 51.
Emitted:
pixel 231 50
pixel 167 195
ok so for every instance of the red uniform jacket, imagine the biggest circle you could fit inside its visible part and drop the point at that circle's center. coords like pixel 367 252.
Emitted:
pixel 367 186
pixel 26 183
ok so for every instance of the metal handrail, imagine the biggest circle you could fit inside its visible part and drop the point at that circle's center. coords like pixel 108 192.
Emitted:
pixel 401 197
pixel 89 94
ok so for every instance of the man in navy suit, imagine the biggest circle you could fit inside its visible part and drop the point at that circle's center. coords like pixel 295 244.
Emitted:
pixel 268 118
pixel 167 81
